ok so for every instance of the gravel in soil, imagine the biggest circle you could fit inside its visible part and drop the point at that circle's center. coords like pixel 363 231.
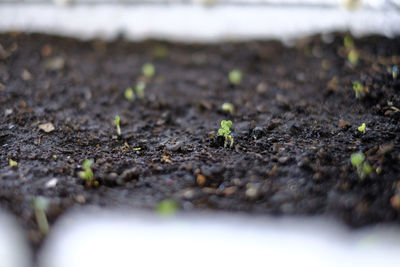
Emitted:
pixel 295 126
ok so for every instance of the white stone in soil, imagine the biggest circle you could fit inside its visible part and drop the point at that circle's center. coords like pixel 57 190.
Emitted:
pixel 141 239
pixel 13 246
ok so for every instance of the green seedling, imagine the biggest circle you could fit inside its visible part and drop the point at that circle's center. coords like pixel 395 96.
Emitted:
pixel 226 132
pixel 12 163
pixel 352 57
pixel 228 107
pixel 129 94
pixel 40 206
pixel 358 89
pixel 362 128
pixel 235 77
pixel 117 121
pixel 160 51
pixel 148 70
pixel 87 173
pixel 139 89
pixel 167 207
pixel 359 161
pixel 348 42
pixel 352 54
pixel 395 72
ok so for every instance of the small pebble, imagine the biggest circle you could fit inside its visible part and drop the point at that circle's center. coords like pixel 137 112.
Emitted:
pixel 201 179
pixel 395 202
pixel 51 183
pixel 46 127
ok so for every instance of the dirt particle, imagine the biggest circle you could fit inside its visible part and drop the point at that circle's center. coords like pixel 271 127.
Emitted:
pixel 80 199
pixel 128 175
pixel 251 191
pixel 395 202
pixel 201 179
pixel 344 124
pixel 46 50
pixel 229 190
pixel 55 63
pixel 26 75
pixel 47 127
pixel 51 183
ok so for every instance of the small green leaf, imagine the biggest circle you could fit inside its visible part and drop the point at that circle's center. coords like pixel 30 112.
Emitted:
pixel 167 207
pixel 362 128
pixel 160 51
pixel 235 77
pixel 87 173
pixel 353 57
pixel 148 70
pixel 357 159
pixel 358 88
pixel 12 163
pixel 227 107
pixel 367 168
pixel 117 121
pixel 129 95
pixel 139 89
pixel 348 42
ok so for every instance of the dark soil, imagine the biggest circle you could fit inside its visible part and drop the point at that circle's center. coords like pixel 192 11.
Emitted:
pixel 294 127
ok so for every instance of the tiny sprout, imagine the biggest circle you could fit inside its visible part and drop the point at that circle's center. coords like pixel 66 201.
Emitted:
pixel 226 132
pixel 353 57
pixel 358 89
pixel 362 128
pixel 348 42
pixel 148 70
pixel 40 206
pixel 235 77
pixel 129 95
pixel 12 163
pixel 87 173
pixel 395 72
pixel 54 156
pixel 167 207
pixel 363 167
pixel 117 123
pixel 160 51
pixel 228 107
pixel 139 89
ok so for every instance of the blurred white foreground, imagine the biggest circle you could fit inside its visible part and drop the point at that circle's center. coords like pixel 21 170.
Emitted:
pixel 141 239
pixel 13 246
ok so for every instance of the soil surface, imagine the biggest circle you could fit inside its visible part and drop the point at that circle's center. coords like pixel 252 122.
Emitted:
pixel 295 127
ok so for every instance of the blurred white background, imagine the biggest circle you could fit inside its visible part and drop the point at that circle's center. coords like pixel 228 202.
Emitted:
pixel 200 20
